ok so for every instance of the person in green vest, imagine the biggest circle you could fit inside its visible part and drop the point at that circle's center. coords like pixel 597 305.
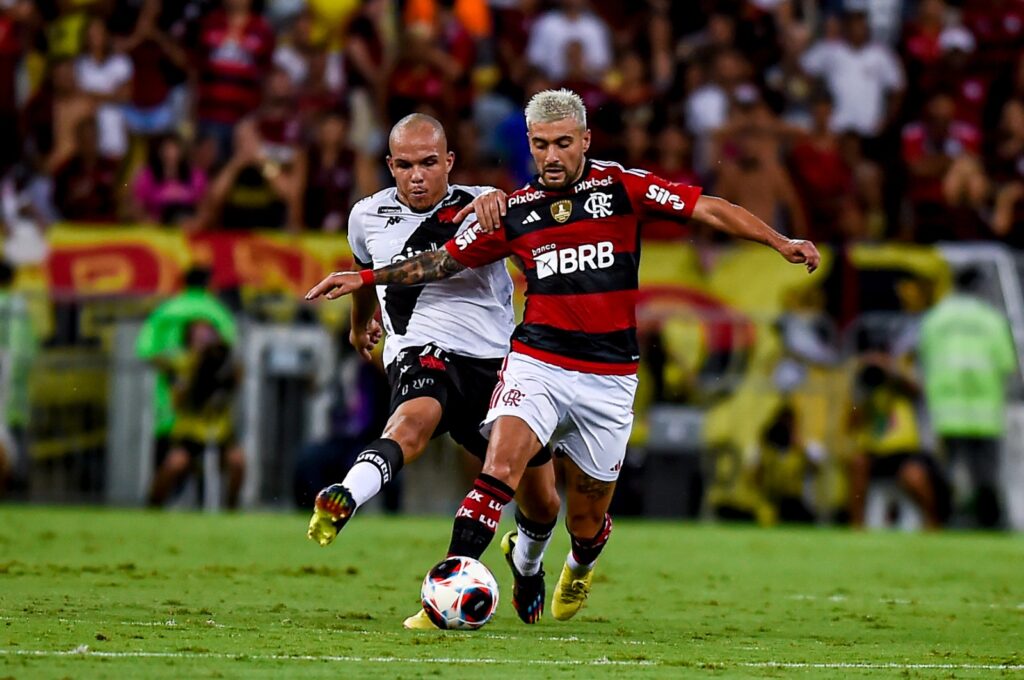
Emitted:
pixel 18 347
pixel 162 342
pixel 967 356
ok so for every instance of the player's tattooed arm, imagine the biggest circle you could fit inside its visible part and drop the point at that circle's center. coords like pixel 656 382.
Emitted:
pixel 426 267
pixel 430 266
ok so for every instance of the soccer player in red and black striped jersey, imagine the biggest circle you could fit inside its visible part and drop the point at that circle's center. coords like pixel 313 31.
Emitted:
pixel 570 378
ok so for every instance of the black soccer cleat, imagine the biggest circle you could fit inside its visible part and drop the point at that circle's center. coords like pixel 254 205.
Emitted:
pixel 527 591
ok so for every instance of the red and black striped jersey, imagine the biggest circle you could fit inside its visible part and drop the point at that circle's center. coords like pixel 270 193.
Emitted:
pixel 580 247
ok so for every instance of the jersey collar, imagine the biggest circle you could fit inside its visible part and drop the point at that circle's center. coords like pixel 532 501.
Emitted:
pixel 536 183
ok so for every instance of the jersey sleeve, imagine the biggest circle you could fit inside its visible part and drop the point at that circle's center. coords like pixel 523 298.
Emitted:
pixel 357 237
pixel 655 197
pixel 473 248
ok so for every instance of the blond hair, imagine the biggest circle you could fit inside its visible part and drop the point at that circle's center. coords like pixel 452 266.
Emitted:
pixel 550 106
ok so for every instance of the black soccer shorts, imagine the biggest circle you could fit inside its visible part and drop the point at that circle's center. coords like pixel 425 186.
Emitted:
pixel 462 385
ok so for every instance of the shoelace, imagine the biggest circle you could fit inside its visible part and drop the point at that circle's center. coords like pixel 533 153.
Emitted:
pixel 576 589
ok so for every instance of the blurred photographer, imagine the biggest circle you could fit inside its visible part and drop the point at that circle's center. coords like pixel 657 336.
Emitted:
pixel 885 425
pixel 205 382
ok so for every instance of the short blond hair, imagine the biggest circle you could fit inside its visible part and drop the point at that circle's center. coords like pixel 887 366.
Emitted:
pixel 549 106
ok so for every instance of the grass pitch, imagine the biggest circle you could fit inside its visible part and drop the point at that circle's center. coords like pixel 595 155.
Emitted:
pixel 111 593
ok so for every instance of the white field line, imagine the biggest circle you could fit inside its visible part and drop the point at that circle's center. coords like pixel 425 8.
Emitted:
pixel 84 651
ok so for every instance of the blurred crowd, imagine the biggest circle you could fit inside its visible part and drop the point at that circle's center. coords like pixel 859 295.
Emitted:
pixel 837 120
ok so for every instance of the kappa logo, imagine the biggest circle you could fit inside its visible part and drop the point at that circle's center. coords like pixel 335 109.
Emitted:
pixel 394 219
pixel 575 259
pixel 599 204
pixel 663 196
pixel 531 218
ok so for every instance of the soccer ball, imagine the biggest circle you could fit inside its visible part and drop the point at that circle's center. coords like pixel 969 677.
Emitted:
pixel 459 593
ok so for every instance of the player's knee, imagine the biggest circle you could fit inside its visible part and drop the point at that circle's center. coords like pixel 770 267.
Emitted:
pixel 409 432
pixel 584 523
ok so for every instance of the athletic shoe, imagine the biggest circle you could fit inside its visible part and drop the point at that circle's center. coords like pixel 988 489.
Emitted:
pixel 570 593
pixel 333 508
pixel 419 621
pixel 527 591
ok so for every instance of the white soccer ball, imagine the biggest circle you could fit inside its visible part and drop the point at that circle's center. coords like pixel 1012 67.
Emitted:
pixel 459 593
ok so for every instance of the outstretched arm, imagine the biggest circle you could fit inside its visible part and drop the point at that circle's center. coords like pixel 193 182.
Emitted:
pixel 736 221
pixel 426 267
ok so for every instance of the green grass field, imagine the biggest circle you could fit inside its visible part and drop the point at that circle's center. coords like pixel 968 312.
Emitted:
pixel 110 593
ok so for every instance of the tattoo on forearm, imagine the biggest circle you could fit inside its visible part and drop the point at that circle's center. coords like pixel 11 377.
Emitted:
pixel 592 488
pixel 426 267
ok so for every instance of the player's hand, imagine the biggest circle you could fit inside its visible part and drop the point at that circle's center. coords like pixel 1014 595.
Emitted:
pixel 321 528
pixel 336 285
pixel 489 209
pixel 799 251
pixel 365 340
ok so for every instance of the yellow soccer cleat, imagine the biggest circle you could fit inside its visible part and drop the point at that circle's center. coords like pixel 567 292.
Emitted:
pixel 571 593
pixel 419 621
pixel 333 508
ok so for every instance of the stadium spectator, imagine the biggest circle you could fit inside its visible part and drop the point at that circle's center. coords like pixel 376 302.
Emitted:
pixel 889 440
pixel 235 51
pixel 941 156
pixel 865 78
pixel 554 30
pixel 105 76
pixel 252 190
pixel 52 115
pixel 158 65
pixel 204 384
pixel 162 340
pixel 922 51
pixel 330 176
pixel 967 357
pixel 85 185
pixel 786 465
pixel 820 172
pixel 167 189
pixel 315 69
pixel 26 211
pixel 750 173
pixel 998 27
pixel 789 89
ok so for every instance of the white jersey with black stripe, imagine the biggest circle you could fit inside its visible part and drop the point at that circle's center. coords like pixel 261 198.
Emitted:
pixel 469 314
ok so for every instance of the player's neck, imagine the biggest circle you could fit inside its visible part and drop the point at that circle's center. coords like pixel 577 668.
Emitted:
pixel 405 201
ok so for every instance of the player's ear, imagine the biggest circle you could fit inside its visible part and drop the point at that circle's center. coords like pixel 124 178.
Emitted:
pixel 586 141
pixel 391 166
pixel 449 161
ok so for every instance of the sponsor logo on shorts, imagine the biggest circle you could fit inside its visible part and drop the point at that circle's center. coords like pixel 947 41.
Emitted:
pixel 617 467
pixel 432 363
pixel 420 383
pixel 512 397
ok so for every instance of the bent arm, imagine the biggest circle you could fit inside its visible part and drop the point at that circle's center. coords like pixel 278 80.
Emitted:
pixel 424 268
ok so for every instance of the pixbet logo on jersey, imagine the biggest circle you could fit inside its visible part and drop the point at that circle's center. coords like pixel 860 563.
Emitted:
pixel 662 196
pixel 575 259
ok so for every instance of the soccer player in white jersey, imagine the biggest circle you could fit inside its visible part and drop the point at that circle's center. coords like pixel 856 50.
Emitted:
pixel 570 378
pixel 444 343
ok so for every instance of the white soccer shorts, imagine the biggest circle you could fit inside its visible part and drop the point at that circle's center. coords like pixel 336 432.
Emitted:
pixel 586 416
